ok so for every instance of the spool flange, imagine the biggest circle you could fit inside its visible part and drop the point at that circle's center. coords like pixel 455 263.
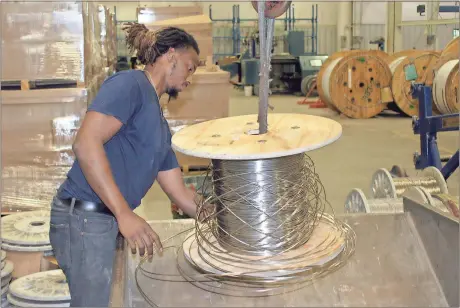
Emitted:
pixel 49 286
pixel 26 228
pixel 237 138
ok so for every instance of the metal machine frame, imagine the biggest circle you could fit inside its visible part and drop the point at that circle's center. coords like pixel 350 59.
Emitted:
pixel 289 24
pixel 427 126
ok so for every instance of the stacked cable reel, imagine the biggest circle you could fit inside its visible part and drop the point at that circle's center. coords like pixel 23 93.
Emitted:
pixel 25 239
pixel 387 193
pixel 42 289
pixel 6 276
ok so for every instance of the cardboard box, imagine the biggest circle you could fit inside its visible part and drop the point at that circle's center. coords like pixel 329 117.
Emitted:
pixel 206 98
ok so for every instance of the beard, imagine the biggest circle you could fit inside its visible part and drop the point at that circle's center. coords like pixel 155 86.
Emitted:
pixel 173 93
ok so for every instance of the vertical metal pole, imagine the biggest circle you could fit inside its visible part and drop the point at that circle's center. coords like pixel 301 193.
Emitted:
pixel 285 21
pixel 313 29
pixel 293 17
pixel 238 22
pixel 233 29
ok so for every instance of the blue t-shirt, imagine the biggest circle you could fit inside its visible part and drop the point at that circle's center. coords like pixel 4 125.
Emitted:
pixel 139 150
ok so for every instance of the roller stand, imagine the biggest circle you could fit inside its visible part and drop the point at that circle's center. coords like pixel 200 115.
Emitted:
pixel 427 126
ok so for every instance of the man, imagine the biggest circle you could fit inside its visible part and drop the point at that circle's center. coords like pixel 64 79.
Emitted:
pixel 122 146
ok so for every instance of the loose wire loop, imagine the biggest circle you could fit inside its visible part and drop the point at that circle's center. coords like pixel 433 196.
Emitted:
pixel 268 235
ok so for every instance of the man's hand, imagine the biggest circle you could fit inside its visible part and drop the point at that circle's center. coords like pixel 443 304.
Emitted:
pixel 208 210
pixel 138 233
pixel 172 183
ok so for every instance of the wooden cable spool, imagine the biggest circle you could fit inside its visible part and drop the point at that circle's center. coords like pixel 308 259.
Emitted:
pixel 418 64
pixel 399 54
pixel 452 47
pixel 320 74
pixel 445 85
pixel 357 83
pixel 445 92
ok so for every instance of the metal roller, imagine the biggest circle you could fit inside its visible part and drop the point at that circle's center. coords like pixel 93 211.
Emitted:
pixel 383 185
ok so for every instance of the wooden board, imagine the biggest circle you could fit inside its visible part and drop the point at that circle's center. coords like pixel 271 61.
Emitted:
pixel 236 138
pixel 422 61
pixel 359 84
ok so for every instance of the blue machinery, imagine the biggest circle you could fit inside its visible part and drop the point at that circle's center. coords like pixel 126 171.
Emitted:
pixel 289 24
pixel 427 126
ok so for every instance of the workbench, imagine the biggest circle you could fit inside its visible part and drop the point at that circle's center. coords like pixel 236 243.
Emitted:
pixel 409 259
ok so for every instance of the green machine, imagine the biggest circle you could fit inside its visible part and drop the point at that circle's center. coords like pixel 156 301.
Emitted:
pixel 293 71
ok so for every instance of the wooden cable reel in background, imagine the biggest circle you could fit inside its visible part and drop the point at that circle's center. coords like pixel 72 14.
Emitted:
pixel 416 64
pixel 453 47
pixel 444 79
pixel 357 83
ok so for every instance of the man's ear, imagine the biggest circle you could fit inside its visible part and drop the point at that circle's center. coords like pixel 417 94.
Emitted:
pixel 170 54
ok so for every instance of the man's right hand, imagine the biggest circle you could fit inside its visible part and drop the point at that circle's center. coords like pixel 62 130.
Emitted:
pixel 138 233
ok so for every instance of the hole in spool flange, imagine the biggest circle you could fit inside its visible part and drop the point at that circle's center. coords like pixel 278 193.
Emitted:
pixel 215 136
pixel 370 69
pixel 262 141
pixel 37 223
pixel 253 132
pixel 361 84
pixel 372 78
pixel 295 127
pixel 249 123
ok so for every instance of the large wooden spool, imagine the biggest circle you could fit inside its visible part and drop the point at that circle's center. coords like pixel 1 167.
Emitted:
pixel 399 54
pixel 452 47
pixel 356 83
pixel 444 79
pixel 420 63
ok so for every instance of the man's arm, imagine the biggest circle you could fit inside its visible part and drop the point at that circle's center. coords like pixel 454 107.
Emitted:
pixel 172 183
pixel 95 131
pixel 113 106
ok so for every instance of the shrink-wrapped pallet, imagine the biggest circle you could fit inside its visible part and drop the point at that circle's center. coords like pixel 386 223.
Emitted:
pixel 49 40
pixel 38 129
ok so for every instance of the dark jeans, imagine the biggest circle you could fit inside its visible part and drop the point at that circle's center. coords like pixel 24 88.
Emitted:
pixel 84 245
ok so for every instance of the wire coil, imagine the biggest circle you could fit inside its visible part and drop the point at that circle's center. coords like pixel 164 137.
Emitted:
pixel 265 206
pixel 383 185
pixel 269 234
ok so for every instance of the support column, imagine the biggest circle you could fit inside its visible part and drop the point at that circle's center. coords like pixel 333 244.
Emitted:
pixel 432 13
pixel 344 22
pixel 393 33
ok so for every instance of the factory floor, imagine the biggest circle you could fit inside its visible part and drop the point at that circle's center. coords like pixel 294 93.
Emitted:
pixel 365 146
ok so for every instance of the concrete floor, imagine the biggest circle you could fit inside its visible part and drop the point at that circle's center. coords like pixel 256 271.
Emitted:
pixel 365 146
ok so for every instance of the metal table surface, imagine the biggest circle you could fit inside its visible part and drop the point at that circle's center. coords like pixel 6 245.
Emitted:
pixel 401 260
